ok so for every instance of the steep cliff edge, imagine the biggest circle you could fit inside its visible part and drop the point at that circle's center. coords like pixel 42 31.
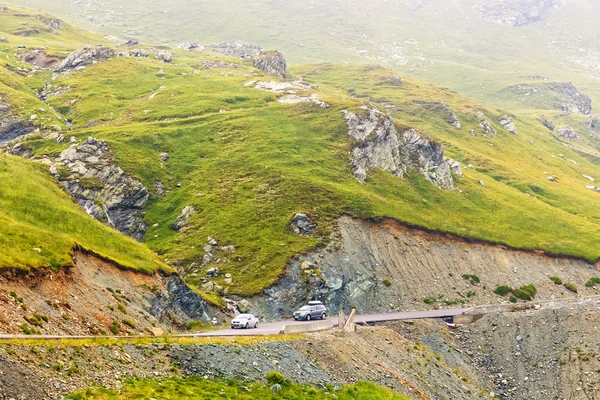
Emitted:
pixel 379 266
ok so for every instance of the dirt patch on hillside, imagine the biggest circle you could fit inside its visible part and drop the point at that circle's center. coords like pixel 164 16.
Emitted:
pixel 92 298
pixel 40 60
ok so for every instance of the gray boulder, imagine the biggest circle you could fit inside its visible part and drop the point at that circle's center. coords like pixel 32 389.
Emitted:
pixel 488 130
pixel 272 63
pixel 101 188
pixel 569 134
pixel 303 224
pixel 547 123
pixel 165 56
pixel 378 144
pixel 183 218
pixel 508 124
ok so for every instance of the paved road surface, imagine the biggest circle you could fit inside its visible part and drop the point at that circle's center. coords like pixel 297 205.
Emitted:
pixel 273 328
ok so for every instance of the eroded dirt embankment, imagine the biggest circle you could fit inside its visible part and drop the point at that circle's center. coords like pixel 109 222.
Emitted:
pixel 386 265
pixel 88 298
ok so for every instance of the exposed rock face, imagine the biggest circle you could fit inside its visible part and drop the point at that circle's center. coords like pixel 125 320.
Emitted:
pixel 561 96
pixel 548 124
pixel 303 224
pixel 488 130
pixel 351 271
pixel 571 100
pixel 272 63
pixel 595 124
pixel 101 188
pixel 84 57
pixel 569 134
pixel 180 301
pixel 508 124
pixel 517 12
pixel 183 218
pixel 53 23
pixel 380 145
pixel 12 127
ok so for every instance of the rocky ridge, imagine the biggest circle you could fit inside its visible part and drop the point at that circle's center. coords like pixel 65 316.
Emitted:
pixel 101 188
pixel 379 144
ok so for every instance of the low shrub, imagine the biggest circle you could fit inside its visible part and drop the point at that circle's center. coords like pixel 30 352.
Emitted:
pixel 502 290
pixel 556 280
pixel 571 287
pixel 130 323
pixel 429 300
pixel 387 282
pixel 274 377
pixel 473 278
pixel 115 328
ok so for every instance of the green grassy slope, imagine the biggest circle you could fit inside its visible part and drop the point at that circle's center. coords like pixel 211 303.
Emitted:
pixel 443 42
pixel 40 225
pixel 205 389
pixel 247 163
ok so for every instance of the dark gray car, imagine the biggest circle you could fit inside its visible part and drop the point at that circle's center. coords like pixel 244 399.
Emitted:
pixel 313 310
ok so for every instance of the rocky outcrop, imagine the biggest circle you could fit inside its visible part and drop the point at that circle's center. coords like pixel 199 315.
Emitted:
pixel 303 224
pixel 569 134
pixel 508 124
pixel 561 96
pixel 86 56
pixel 380 145
pixel 517 12
pixel 547 123
pixel 272 63
pixel 101 188
pixel 183 218
pixel 53 23
pixel 12 127
pixel 379 266
pixel 165 56
pixel 571 100
pixel 180 301
pixel 488 130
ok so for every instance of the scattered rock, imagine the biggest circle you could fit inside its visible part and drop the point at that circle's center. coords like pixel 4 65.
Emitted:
pixel 548 124
pixel 165 56
pixel 569 134
pixel 132 42
pixel 508 124
pixel 303 224
pixel 589 178
pixel 243 306
pixel 488 130
pixel 164 156
pixel 442 110
pixel 183 218
pixel 594 188
pixel 272 63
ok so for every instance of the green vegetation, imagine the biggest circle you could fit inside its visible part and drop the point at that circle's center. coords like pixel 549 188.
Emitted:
pixel 430 300
pixel 525 292
pixel 593 281
pixel 248 164
pixel 387 282
pixel 502 290
pixel 40 225
pixel 571 287
pixel 473 278
pixel 200 388
pixel 556 280
pixel 130 323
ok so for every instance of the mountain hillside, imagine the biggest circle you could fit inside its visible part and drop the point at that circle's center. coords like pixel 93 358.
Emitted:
pixel 477 47
pixel 227 165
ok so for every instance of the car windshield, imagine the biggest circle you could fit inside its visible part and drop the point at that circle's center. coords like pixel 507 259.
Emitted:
pixel 305 308
pixel 244 316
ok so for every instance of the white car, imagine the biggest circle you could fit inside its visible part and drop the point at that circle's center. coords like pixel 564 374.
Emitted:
pixel 244 321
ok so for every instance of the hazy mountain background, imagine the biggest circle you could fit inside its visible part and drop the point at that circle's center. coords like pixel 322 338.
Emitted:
pixel 474 46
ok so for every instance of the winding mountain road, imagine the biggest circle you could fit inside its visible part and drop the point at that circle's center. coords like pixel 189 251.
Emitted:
pixel 274 328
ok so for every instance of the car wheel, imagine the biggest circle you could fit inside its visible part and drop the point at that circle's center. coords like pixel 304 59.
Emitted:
pixel 256 325
pixel 246 326
pixel 323 316
pixel 308 317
